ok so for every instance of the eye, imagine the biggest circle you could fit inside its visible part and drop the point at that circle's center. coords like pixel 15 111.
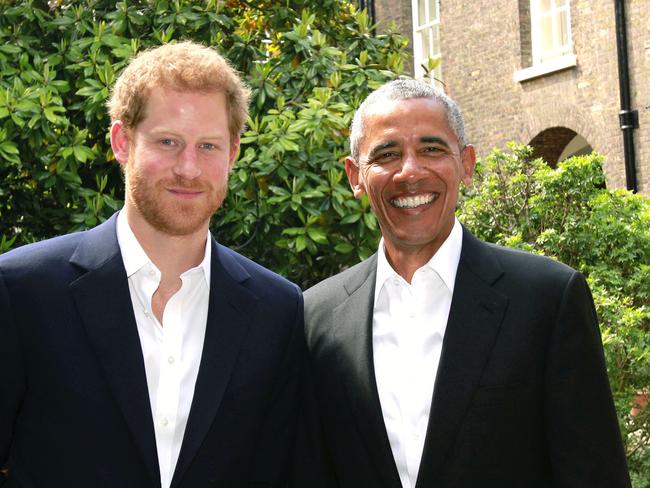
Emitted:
pixel 207 145
pixel 167 142
pixel 385 157
pixel 433 150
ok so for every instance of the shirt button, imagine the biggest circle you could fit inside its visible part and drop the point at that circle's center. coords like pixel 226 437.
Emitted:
pixel 164 422
pixel 171 360
pixel 152 273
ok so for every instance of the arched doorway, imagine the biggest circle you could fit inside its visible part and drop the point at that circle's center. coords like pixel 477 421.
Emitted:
pixel 578 146
pixel 558 143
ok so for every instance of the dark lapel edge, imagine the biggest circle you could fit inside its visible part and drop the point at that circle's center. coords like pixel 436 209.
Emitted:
pixel 353 321
pixel 230 313
pixel 104 304
pixel 475 317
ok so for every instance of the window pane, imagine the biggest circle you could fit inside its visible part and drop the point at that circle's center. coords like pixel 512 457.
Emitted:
pixel 435 37
pixel 433 10
pixel 426 43
pixel 563 29
pixel 544 6
pixel 421 18
pixel 560 3
pixel 546 36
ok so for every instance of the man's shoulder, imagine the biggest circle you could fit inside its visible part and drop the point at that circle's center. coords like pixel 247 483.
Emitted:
pixel 517 265
pixel 336 288
pixel 42 253
pixel 527 261
pixel 50 254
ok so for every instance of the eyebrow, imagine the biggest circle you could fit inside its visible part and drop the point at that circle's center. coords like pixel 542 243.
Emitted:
pixel 380 147
pixel 164 131
pixel 390 144
pixel 435 140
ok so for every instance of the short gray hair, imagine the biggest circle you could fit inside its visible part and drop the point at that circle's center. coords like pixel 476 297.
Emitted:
pixel 405 89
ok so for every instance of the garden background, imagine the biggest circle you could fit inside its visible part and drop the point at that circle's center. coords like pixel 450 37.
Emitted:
pixel 309 64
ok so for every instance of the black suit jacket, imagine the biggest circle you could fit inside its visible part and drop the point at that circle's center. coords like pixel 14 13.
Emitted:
pixel 521 397
pixel 74 405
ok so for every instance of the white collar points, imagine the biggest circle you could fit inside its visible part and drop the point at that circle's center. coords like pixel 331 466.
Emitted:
pixel 135 258
pixel 444 262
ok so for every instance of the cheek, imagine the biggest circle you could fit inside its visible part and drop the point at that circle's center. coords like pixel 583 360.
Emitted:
pixel 451 174
pixel 217 172
pixel 148 163
pixel 374 179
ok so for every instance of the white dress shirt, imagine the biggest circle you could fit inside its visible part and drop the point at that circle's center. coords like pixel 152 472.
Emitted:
pixel 171 353
pixel 409 322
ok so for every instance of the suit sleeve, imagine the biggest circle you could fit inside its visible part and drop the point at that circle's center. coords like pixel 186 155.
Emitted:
pixel 12 377
pixel 584 441
pixel 312 466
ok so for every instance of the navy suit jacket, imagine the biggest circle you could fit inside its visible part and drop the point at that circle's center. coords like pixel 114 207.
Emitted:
pixel 74 405
pixel 521 396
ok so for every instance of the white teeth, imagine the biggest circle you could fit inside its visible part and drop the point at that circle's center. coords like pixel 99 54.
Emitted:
pixel 414 201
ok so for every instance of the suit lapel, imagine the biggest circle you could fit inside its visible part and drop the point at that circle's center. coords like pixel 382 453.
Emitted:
pixel 353 335
pixel 230 311
pixel 104 304
pixel 474 321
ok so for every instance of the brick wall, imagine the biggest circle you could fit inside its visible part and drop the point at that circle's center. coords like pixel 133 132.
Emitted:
pixel 484 42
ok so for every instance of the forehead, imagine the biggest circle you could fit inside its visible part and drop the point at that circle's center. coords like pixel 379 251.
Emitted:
pixel 184 107
pixel 405 119
pixel 174 97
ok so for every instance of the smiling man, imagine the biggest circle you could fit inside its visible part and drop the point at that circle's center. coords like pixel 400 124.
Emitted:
pixel 142 353
pixel 443 361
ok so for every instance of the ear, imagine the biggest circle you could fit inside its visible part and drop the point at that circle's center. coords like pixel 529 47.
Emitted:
pixel 352 170
pixel 120 142
pixel 234 152
pixel 468 162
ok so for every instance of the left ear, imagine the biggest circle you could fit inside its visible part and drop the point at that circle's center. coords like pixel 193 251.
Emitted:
pixel 234 152
pixel 468 163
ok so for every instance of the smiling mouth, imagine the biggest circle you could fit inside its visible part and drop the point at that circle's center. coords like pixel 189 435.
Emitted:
pixel 413 201
pixel 184 192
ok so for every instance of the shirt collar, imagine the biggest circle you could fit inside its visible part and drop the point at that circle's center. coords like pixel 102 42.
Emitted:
pixel 135 258
pixel 444 261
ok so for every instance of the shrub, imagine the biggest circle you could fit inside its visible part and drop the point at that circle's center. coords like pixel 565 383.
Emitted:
pixel 566 213
pixel 308 63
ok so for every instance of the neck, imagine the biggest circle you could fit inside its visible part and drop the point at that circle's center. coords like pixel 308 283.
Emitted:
pixel 406 261
pixel 172 255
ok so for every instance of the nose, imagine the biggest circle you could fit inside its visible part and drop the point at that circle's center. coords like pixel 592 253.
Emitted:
pixel 187 165
pixel 412 169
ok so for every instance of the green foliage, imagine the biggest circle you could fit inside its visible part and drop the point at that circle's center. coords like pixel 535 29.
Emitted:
pixel 566 213
pixel 308 63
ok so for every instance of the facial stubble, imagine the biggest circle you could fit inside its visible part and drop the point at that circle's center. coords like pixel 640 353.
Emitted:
pixel 172 216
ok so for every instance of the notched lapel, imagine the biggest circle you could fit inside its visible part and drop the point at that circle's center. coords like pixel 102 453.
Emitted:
pixel 230 312
pixel 104 304
pixel 353 335
pixel 475 317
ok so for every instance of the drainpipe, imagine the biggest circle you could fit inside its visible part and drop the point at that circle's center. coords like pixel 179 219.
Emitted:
pixel 628 118
pixel 369 5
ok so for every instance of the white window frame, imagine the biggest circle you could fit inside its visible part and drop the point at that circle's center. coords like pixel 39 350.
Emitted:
pixel 541 63
pixel 536 16
pixel 422 53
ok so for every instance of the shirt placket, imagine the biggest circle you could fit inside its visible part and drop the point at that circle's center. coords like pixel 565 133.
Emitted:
pixel 406 316
pixel 170 375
